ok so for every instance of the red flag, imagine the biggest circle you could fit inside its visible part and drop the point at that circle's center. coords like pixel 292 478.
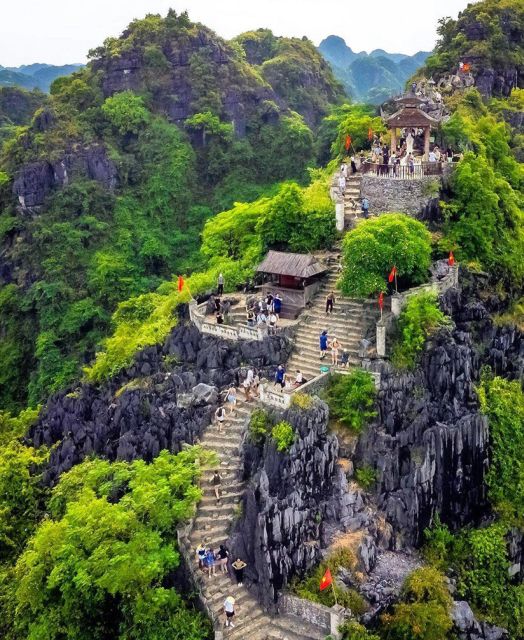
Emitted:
pixel 466 67
pixel 348 142
pixel 180 283
pixel 381 300
pixel 451 259
pixel 326 580
pixel 392 274
pixel 370 134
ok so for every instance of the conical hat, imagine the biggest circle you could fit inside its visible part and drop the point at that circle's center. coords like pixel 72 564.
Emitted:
pixel 230 600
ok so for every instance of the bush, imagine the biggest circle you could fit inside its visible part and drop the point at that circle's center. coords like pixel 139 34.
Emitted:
pixel 502 402
pixel 419 319
pixel 424 613
pixel 284 435
pixel 126 112
pixel 352 630
pixel 366 477
pixel 259 426
pixel 351 399
pixel 378 244
pixel 302 401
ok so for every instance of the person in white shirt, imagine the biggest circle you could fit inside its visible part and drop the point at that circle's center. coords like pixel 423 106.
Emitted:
pixel 272 322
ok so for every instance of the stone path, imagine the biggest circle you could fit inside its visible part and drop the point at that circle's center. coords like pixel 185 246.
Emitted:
pixel 352 200
pixel 212 525
pixel 348 322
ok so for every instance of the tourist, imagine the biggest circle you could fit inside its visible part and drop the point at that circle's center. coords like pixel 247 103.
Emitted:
pixel 272 322
pixel 201 555
pixel 261 318
pixel 220 416
pixel 269 301
pixel 210 563
pixel 365 207
pixel 411 164
pixel 344 359
pixel 432 157
pixel 449 153
pixel 342 184
pixel 219 317
pixel 238 567
pixel 220 284
pixel 299 379
pixel 229 609
pixel 222 556
pixel 262 305
pixel 231 396
pixel 256 384
pixel 323 344
pixel 247 384
pixel 277 305
pixel 353 165
pixel 330 301
pixel 250 318
pixel 344 170
pixel 335 346
pixel 216 480
pixel 218 304
pixel 280 374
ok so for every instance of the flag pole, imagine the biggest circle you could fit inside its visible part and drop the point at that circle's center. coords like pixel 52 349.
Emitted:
pixel 334 592
pixel 396 288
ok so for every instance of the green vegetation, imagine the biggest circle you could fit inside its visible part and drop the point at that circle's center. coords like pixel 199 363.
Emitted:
pixel 351 399
pixel 498 47
pixel 97 564
pixel 352 630
pixel 479 558
pixel 420 318
pixel 502 402
pixel 308 587
pixel 376 245
pixel 259 426
pixel 302 401
pixel 424 613
pixel 366 477
pixel 283 435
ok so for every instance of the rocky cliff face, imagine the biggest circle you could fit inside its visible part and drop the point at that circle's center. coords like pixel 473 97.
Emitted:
pixel 164 400
pixel 430 445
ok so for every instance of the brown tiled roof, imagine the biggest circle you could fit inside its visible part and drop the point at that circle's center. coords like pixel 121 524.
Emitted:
pixel 411 117
pixel 291 264
pixel 410 99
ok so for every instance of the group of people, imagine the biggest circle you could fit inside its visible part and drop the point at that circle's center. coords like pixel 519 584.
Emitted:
pixel 265 312
pixel 286 381
pixel 333 344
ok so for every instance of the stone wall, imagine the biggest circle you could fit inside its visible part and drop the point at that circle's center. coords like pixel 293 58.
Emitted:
pixel 406 196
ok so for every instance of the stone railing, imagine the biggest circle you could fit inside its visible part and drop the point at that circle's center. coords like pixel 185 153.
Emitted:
pixel 404 172
pixel 399 300
pixel 226 331
pixel 327 619
pixel 270 394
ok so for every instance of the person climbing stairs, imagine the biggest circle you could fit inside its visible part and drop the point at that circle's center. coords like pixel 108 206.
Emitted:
pixel 350 322
pixel 211 527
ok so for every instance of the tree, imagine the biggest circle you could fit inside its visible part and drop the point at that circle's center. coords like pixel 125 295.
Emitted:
pixel 96 568
pixel 351 399
pixel 376 245
pixel 126 112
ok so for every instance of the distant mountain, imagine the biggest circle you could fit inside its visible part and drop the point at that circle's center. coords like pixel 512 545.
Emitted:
pixel 370 77
pixel 35 76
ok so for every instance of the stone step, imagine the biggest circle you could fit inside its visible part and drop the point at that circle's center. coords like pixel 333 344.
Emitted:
pixel 294 628
pixel 246 629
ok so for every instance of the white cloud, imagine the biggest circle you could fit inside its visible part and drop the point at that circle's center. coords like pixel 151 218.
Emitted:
pixel 61 31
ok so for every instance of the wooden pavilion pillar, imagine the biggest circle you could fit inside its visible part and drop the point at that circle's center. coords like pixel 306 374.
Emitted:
pixel 427 131
pixel 393 140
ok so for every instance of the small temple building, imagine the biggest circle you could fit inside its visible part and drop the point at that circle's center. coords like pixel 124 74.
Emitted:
pixel 295 276
pixel 411 117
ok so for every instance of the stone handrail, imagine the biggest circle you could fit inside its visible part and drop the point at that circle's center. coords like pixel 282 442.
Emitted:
pixel 226 331
pixel 404 172
pixel 399 300
pixel 328 619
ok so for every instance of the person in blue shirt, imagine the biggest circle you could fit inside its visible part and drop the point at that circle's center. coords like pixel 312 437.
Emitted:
pixel 280 376
pixel 323 339
pixel 277 305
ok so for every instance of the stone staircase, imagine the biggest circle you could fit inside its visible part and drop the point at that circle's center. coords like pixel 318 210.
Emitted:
pixel 212 524
pixel 352 200
pixel 348 322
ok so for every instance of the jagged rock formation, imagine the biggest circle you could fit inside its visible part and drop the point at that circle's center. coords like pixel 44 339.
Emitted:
pixel 430 444
pixel 164 400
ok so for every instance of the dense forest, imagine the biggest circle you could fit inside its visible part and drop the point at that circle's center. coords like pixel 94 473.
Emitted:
pixel 175 152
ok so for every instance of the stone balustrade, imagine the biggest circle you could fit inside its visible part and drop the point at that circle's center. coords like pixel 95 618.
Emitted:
pixel 328 619
pixel 226 331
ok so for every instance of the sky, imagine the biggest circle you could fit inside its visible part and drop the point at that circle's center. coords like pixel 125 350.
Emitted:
pixel 63 31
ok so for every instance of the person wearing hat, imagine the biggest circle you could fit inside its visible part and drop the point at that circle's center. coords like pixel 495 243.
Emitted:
pixel 229 610
pixel 335 346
